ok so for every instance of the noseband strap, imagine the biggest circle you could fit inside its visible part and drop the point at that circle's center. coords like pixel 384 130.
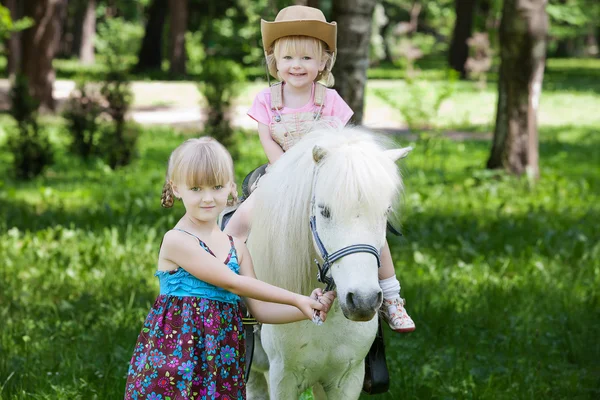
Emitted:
pixel 329 259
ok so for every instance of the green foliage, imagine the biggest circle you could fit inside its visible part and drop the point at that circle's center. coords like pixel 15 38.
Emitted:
pixel 113 139
pixel 434 23
pixel 118 143
pixel 8 26
pixel 572 18
pixel 119 138
pixel 5 22
pixel 118 42
pixel 195 52
pixel 221 81
pixel 422 107
pixel 234 32
pixel 82 112
pixel 30 146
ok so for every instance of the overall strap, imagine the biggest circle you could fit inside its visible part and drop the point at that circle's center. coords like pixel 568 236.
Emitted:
pixel 320 91
pixel 277 96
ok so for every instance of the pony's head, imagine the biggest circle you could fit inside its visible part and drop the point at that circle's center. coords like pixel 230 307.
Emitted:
pixel 353 181
pixel 354 190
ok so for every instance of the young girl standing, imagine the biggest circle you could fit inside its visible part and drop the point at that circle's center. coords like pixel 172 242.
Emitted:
pixel 300 48
pixel 192 343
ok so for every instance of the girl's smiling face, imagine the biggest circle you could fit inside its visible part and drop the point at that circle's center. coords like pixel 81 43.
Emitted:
pixel 203 203
pixel 299 60
pixel 299 70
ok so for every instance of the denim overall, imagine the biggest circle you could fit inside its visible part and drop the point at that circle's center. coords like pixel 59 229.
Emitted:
pixel 288 129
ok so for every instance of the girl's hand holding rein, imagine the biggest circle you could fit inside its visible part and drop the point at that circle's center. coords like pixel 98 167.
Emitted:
pixel 326 299
pixel 182 250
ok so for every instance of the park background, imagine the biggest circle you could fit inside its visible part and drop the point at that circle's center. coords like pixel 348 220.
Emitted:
pixel 500 266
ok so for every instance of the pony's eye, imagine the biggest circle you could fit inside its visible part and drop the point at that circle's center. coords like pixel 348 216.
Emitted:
pixel 325 211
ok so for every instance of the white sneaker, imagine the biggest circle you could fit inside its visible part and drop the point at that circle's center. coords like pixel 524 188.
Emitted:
pixel 398 319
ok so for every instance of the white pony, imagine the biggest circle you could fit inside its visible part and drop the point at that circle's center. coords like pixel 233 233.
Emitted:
pixel 348 181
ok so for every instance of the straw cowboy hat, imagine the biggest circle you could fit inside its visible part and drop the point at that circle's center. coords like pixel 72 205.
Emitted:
pixel 299 21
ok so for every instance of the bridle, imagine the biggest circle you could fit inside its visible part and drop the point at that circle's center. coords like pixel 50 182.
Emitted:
pixel 330 258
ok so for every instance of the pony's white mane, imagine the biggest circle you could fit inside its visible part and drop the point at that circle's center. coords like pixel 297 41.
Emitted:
pixel 358 177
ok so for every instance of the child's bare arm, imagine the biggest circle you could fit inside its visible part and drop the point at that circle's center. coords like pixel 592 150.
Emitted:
pixel 271 313
pixel 271 148
pixel 184 251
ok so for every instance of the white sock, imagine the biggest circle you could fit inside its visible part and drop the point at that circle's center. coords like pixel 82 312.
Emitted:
pixel 391 290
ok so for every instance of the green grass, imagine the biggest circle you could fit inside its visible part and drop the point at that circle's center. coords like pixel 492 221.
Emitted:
pixel 501 276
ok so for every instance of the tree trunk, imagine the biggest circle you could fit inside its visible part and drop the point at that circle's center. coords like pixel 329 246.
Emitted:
pixel 178 10
pixel 591 44
pixel 354 18
pixel 150 56
pixel 38 47
pixel 88 34
pixel 75 25
pixel 463 28
pixel 523 31
pixel 14 41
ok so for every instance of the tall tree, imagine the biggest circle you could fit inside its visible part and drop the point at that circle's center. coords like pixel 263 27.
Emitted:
pixel 178 11
pixel 463 27
pixel 38 47
pixel 523 31
pixel 88 34
pixel 354 19
pixel 150 56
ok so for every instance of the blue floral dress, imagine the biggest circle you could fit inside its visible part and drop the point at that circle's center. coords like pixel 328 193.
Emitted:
pixel 192 344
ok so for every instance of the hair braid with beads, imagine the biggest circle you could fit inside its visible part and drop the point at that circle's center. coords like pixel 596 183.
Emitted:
pixel 167 197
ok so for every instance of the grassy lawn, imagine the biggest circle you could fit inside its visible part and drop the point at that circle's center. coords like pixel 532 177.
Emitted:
pixel 501 276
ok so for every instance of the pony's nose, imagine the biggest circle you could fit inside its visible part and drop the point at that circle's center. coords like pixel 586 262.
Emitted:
pixel 367 302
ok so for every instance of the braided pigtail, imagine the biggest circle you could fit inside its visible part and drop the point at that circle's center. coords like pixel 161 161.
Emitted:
pixel 167 198
pixel 326 76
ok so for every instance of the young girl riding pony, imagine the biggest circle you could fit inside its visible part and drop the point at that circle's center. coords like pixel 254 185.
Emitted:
pixel 192 344
pixel 300 49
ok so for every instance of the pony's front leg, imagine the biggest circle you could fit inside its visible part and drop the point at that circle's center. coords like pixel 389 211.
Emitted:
pixel 256 387
pixel 284 384
pixel 349 386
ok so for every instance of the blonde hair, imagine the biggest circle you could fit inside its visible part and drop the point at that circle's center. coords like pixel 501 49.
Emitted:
pixel 199 162
pixel 303 45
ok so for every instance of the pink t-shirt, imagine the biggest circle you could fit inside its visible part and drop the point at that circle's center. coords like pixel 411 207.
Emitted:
pixel 334 106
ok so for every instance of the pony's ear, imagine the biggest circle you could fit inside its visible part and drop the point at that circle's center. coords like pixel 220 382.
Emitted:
pixel 396 154
pixel 319 153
